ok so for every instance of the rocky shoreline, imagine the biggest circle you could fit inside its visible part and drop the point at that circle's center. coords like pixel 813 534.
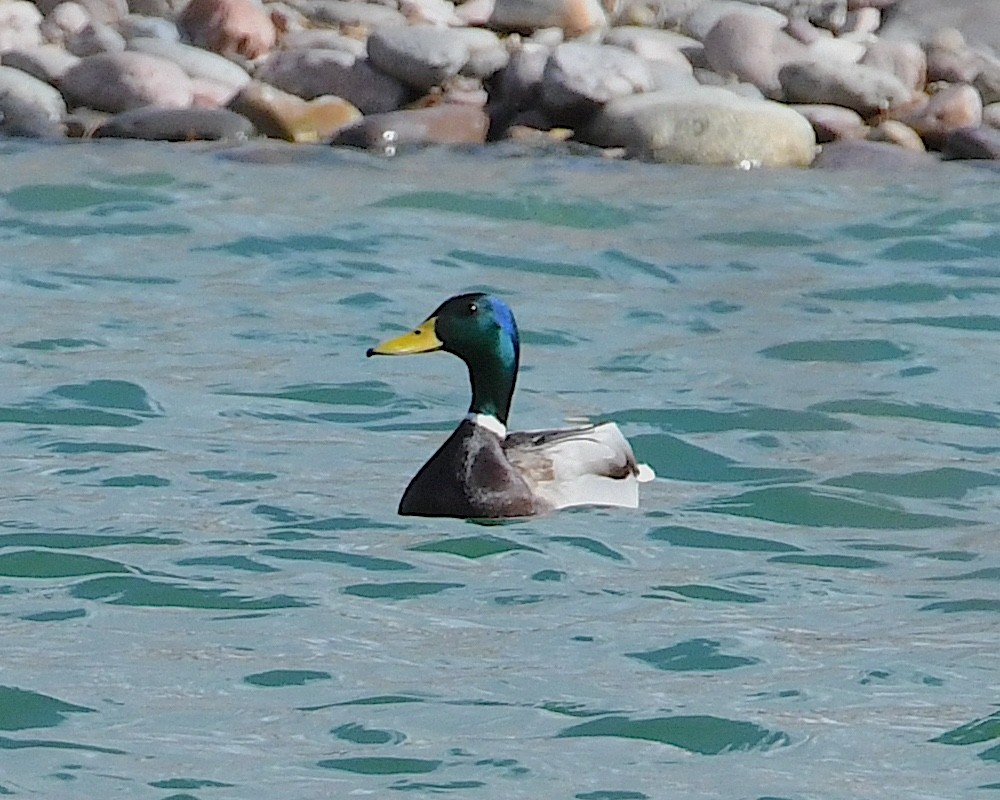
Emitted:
pixel 719 82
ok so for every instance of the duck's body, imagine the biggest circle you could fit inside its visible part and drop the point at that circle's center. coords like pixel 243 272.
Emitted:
pixel 483 471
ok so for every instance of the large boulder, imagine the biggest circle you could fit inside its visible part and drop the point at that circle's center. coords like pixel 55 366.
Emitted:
pixel 706 125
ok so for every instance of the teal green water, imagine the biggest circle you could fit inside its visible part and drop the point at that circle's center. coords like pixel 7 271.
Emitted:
pixel 207 592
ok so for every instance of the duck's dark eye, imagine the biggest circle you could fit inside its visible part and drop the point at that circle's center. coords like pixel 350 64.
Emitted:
pixel 473 308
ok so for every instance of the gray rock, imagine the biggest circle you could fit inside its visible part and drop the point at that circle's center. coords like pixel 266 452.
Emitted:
pixel 29 90
pixel 48 62
pixel 973 143
pixel 136 26
pixel 667 77
pixel 860 154
pixel 707 15
pixel 579 78
pixel 863 89
pixel 704 126
pixel 94 38
pixel 520 84
pixel 21 118
pixel 316 72
pixel 177 125
pixel 487 54
pixel 420 56
pixel 977 20
pixel 987 82
pixel 752 48
pixel 950 59
pixel 323 39
pixel 197 63
pixel 900 57
pixel 656 45
pixel 20 25
pixel 344 12
pixel 116 82
pixel 991 115
pixel 63 21
pixel 167 9
pixel 832 122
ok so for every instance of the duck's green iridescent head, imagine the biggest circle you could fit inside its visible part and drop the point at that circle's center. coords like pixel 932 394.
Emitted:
pixel 479 329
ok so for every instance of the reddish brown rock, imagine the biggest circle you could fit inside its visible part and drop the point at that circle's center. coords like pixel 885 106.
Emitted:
pixel 389 133
pixel 575 17
pixel 229 27
pixel 945 112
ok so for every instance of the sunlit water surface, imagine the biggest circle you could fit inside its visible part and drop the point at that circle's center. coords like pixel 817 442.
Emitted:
pixel 206 591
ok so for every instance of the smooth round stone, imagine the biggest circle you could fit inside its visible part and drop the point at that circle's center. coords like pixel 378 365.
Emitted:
pixel 47 62
pixel 107 11
pixel 861 154
pixel 94 38
pixel 945 112
pixel 140 26
pixel 655 45
pixel 475 12
pixel 902 58
pixel 519 85
pixel 19 117
pixel 829 48
pixel 63 21
pixel 991 115
pixel 230 27
pixel 580 77
pixel 987 82
pixel 863 89
pixel 575 17
pixel 431 12
pixel 207 93
pixel 487 54
pixel 950 59
pixel 667 77
pixel 20 25
pixel 168 9
pixel 706 15
pixel 324 39
pixel 832 122
pixel 895 132
pixel 117 82
pixel 177 125
pixel 390 133
pixel 197 63
pixel 973 143
pixel 752 48
pixel 419 56
pixel 708 126
pixel 344 12
pixel 315 72
pixel 280 115
pixel 31 91
pixel 863 21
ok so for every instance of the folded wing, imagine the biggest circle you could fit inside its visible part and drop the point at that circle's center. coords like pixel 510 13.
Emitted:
pixel 593 465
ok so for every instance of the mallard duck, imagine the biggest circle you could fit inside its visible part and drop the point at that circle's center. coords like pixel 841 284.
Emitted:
pixel 482 471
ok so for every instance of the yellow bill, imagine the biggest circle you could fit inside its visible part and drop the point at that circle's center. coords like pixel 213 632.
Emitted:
pixel 423 339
